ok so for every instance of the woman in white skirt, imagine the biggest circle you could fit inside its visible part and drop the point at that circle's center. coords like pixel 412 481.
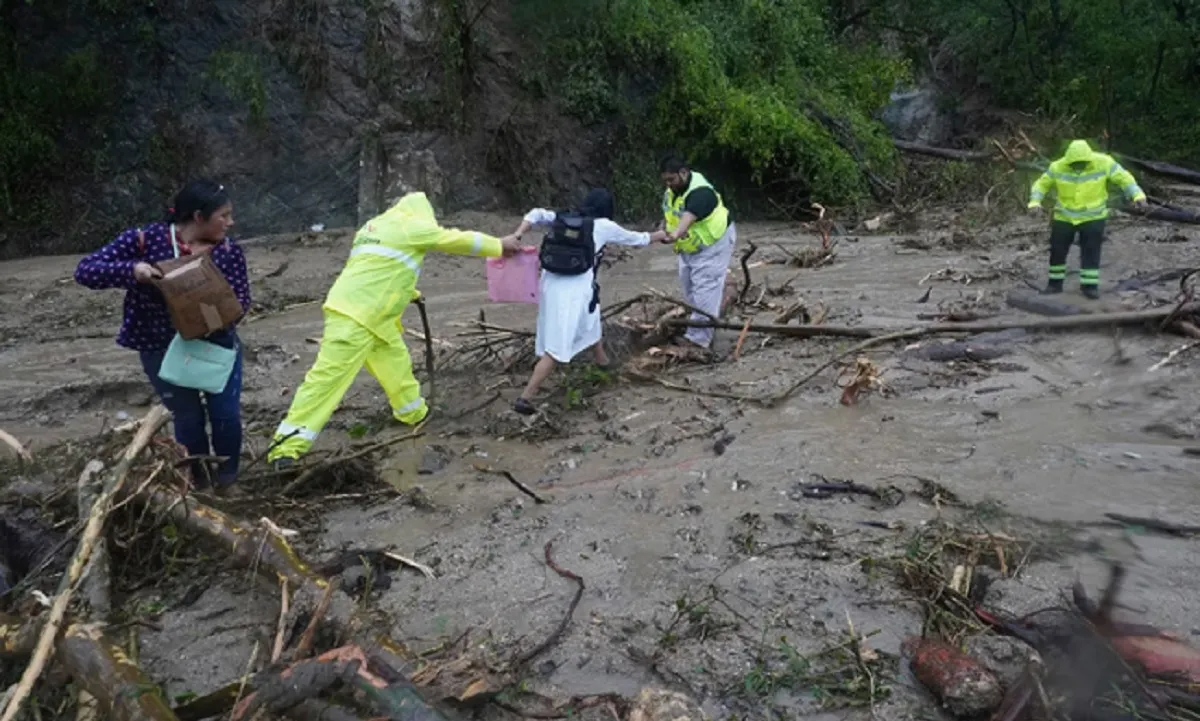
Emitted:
pixel 569 309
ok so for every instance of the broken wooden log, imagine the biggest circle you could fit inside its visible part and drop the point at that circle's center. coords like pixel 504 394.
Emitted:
pixel 1167 170
pixel 944 153
pixel 155 419
pixel 96 663
pixel 1167 214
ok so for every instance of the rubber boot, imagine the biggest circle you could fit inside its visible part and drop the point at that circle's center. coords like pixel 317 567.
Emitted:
pixel 1091 292
pixel 1053 287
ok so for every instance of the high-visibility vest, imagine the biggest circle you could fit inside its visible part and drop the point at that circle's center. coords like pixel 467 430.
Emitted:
pixel 701 233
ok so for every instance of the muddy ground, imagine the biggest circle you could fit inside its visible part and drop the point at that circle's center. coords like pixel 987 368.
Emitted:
pixel 1040 442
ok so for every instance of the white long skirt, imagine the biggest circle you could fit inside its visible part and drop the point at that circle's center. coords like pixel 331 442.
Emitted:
pixel 564 326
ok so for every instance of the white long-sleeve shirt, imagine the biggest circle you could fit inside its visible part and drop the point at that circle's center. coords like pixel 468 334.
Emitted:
pixel 565 326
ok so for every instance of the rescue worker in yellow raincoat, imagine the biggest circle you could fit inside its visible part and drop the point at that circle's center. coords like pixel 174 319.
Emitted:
pixel 362 320
pixel 1080 180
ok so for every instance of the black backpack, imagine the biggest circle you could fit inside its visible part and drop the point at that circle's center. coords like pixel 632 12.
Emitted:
pixel 568 249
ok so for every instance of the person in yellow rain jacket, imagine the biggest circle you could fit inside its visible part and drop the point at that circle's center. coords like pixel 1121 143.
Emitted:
pixel 362 320
pixel 1080 180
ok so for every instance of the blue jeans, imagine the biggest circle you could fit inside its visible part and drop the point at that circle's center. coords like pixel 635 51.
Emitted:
pixel 195 410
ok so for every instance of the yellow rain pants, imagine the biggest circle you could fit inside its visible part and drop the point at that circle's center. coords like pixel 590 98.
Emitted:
pixel 362 318
pixel 345 348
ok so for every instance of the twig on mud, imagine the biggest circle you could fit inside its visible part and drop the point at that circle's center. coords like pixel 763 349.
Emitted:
pixel 155 419
pixel 424 570
pixel 476 408
pixel 751 249
pixel 14 444
pixel 737 349
pixel 281 627
pixel 688 389
pixel 511 479
pixel 853 350
pixel 337 458
pixel 304 646
pixel 566 619
pixel 1171 356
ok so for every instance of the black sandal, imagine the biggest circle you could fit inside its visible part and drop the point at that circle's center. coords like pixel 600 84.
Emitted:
pixel 524 407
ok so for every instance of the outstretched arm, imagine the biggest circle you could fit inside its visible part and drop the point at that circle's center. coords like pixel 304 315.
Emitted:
pixel 537 216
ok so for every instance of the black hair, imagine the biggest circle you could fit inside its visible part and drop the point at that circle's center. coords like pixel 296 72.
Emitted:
pixel 672 162
pixel 598 203
pixel 199 196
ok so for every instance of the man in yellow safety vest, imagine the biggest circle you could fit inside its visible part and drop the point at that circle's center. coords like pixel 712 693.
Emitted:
pixel 1080 180
pixel 701 228
pixel 362 320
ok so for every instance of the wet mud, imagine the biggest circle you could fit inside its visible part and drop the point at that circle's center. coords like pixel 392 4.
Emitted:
pixel 680 510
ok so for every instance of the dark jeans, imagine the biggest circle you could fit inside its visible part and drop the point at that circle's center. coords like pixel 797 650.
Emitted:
pixel 1091 237
pixel 195 410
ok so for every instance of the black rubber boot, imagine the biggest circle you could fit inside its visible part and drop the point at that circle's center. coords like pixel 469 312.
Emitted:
pixel 1053 287
pixel 1091 292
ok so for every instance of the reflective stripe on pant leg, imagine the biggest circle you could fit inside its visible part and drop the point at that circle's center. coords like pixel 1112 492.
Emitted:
pixel 344 347
pixel 1062 236
pixel 391 364
pixel 1058 272
pixel 709 266
pixel 1091 239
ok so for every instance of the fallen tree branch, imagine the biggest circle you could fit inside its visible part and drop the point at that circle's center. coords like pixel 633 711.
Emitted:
pixel 155 419
pixel 1073 322
pixel 268 554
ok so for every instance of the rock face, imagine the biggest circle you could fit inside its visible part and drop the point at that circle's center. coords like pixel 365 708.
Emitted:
pixel 915 114
pixel 311 111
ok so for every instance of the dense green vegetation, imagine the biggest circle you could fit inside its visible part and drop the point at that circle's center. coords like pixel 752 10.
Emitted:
pixel 756 89
pixel 779 96
pixel 774 99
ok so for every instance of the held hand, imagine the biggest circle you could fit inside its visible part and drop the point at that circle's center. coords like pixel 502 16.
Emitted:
pixel 1035 211
pixel 658 236
pixel 511 245
pixel 1141 205
pixel 145 273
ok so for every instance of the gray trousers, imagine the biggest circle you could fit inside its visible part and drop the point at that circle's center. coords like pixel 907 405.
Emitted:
pixel 702 278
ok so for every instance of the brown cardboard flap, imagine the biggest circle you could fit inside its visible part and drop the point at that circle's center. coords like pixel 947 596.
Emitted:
pixel 198 297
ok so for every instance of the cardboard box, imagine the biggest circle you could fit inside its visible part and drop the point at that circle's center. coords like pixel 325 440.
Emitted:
pixel 198 297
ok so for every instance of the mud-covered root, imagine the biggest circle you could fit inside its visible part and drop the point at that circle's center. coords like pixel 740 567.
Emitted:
pixel 96 663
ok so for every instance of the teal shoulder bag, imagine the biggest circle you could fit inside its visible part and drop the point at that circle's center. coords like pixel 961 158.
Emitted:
pixel 197 364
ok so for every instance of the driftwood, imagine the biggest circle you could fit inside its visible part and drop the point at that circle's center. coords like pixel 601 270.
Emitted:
pixel 260 548
pixel 1167 170
pixel 96 663
pixel 1168 214
pixel 944 153
pixel 154 420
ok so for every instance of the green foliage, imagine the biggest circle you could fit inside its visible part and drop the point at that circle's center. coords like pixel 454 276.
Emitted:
pixel 241 74
pixel 1128 69
pixel 757 91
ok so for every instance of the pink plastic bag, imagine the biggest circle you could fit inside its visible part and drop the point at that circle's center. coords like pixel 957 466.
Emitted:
pixel 514 279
